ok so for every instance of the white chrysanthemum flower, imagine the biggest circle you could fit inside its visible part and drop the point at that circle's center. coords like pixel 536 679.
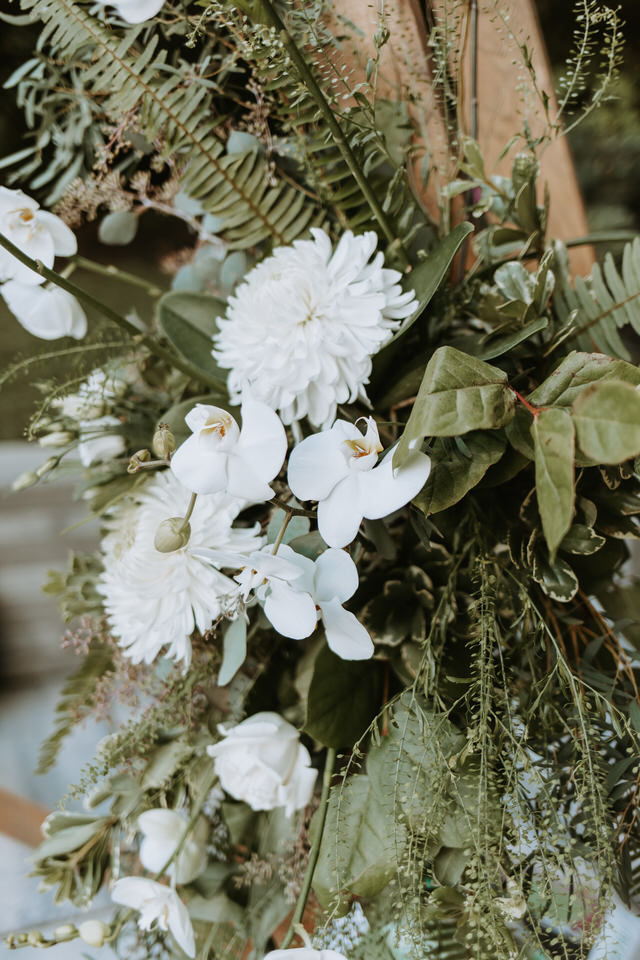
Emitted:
pixel 155 600
pixel 303 327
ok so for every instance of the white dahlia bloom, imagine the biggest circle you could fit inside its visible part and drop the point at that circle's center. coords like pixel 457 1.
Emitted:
pixel 302 328
pixel 155 600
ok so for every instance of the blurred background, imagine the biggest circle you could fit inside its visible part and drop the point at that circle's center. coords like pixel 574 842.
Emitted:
pixel 606 150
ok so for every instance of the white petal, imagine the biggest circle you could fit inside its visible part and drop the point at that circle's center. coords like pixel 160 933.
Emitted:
pixel 243 481
pixel 136 11
pixel 134 891
pixel 345 634
pixel 340 515
pixel 336 576
pixel 292 613
pixel 64 239
pixel 382 491
pixel 263 440
pixel 197 471
pixel 180 926
pixel 316 465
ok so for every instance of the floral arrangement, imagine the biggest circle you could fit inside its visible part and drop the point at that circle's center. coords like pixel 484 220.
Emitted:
pixel 364 475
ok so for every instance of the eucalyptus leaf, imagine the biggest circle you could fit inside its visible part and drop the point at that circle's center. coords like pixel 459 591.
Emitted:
pixel 458 394
pixel 188 321
pixel 498 345
pixel 164 762
pixel 452 475
pixel 554 443
pixel 119 228
pixel 234 650
pixel 607 421
pixel 344 697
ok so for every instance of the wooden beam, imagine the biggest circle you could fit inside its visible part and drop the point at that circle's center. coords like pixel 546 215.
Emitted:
pixel 21 819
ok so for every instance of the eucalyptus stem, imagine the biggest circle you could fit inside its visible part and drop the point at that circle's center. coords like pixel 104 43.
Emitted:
pixel 118 274
pixel 315 90
pixel 86 298
pixel 315 849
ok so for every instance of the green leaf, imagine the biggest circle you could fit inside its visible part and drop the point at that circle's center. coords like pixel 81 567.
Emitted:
pixel 449 865
pixel 454 475
pixel 344 697
pixel 577 371
pixel 497 346
pixel 297 526
pixel 164 762
pixel 188 321
pixel 554 443
pixel 518 432
pixel 582 539
pixel 557 579
pixel 218 909
pixel 119 228
pixel 359 848
pixel 607 421
pixel 425 279
pixel 69 839
pixel 234 650
pixel 458 393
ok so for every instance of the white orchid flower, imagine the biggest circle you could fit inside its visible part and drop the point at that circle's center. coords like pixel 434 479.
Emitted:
pixel 339 469
pixel 46 312
pixel 163 831
pixel 136 11
pixel 221 456
pixel 39 234
pixel 295 592
pixel 304 953
pixel 157 904
pixel 262 762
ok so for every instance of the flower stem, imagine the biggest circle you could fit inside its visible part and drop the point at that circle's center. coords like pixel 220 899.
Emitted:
pixel 301 65
pixel 86 298
pixel 534 411
pixel 315 850
pixel 192 503
pixel 283 529
pixel 110 271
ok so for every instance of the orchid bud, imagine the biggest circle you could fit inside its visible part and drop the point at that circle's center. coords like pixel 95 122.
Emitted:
pixel 94 932
pixel 59 438
pixel 172 534
pixel 65 932
pixel 47 466
pixel 26 479
pixel 34 938
pixel 136 461
pixel 164 442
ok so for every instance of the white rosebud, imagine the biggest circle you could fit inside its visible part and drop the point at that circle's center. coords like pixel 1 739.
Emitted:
pixel 94 932
pixel 337 467
pixel 163 831
pixel 159 905
pixel 262 762
pixel 46 312
pixel 39 234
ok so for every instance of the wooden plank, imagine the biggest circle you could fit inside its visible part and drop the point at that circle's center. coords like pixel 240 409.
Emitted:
pixel 21 819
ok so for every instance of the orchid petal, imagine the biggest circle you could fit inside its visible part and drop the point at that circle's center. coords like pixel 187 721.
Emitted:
pixel 336 576
pixel 346 636
pixel 197 471
pixel 263 440
pixel 316 466
pixel 291 612
pixel 243 481
pixel 64 239
pixel 340 515
pixel 382 490
pixel 180 926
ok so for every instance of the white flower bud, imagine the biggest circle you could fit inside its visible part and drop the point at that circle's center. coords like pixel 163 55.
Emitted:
pixel 172 534
pixel 34 938
pixel 59 438
pixel 26 479
pixel 94 932
pixel 47 466
pixel 65 931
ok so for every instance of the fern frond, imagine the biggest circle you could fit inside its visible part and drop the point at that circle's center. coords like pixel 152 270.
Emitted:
pixel 603 303
pixel 173 106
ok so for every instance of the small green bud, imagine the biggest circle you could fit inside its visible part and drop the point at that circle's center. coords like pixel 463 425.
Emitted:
pixel 136 461
pixel 25 480
pixel 94 932
pixel 164 442
pixel 172 534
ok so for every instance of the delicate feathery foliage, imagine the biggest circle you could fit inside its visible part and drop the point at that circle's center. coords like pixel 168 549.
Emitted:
pixel 303 327
pixel 175 103
pixel 155 600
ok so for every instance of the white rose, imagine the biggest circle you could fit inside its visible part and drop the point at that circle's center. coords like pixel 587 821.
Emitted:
pixel 262 762
pixel 163 831
pixel 304 953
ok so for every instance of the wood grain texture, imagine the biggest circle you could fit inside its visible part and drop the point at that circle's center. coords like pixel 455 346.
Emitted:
pixel 21 818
